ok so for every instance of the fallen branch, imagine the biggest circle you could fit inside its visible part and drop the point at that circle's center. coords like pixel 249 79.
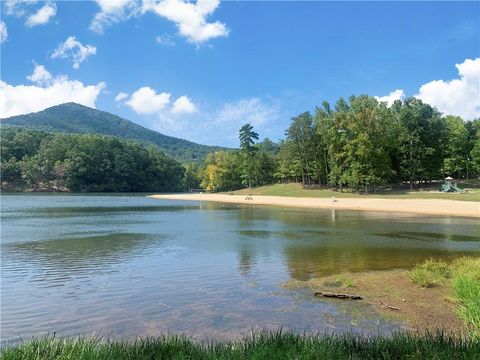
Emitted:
pixel 389 307
pixel 338 296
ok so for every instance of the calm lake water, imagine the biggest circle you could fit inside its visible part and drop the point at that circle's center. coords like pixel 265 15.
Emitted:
pixel 126 266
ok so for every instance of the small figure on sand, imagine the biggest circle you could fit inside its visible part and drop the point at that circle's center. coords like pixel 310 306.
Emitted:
pixel 333 199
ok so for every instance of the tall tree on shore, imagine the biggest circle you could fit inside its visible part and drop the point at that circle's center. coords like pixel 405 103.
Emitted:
pixel 302 135
pixel 247 141
pixel 455 147
pixel 420 151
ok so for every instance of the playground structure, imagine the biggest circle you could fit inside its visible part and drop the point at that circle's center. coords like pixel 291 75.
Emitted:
pixel 450 186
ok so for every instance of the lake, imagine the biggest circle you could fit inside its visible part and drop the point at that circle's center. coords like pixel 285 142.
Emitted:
pixel 124 266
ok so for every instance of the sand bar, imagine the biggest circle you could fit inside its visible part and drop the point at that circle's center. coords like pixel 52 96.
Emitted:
pixel 414 206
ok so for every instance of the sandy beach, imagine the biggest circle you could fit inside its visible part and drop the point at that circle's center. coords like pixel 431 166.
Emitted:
pixel 420 206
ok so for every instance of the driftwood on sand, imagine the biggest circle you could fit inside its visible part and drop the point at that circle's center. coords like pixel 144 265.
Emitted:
pixel 338 296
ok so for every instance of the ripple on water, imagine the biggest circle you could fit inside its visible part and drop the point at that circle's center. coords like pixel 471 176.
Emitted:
pixel 131 266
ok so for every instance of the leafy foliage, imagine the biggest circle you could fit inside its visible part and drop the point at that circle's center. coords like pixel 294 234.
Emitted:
pixel 39 160
pixel 360 144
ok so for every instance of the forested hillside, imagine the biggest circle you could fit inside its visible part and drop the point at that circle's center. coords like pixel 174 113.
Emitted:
pixel 37 160
pixel 75 118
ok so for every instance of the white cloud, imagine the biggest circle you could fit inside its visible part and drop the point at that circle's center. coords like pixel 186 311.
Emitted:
pixel 458 96
pixel 220 126
pixel 146 101
pixel 72 48
pixel 251 110
pixel 3 32
pixel 121 96
pixel 183 105
pixel 165 40
pixel 16 7
pixel 190 18
pixel 40 76
pixel 24 99
pixel 42 16
pixel 390 98
pixel 111 12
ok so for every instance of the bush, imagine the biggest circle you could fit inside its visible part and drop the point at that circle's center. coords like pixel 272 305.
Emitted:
pixel 431 273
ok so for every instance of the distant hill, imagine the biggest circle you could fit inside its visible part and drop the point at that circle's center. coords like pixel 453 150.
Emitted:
pixel 75 118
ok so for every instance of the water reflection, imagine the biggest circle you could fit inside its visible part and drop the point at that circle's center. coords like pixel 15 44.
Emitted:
pixel 138 266
pixel 62 259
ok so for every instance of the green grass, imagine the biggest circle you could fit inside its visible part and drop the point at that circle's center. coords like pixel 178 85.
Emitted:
pixel 264 345
pixel 296 190
pixel 430 273
pixel 466 287
pixel 464 274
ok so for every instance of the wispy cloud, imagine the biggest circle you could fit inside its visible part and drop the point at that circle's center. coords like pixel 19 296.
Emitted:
pixel 189 17
pixel 3 32
pixel 111 12
pixel 165 39
pixel 43 15
pixel 74 50
pixel 29 8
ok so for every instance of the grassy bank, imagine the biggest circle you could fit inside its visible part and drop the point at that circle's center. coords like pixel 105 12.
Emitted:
pixel 464 276
pixel 259 346
pixel 296 190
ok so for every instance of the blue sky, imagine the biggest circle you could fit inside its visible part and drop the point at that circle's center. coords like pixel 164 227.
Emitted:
pixel 201 70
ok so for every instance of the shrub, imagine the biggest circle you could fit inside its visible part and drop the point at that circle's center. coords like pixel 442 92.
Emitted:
pixel 431 273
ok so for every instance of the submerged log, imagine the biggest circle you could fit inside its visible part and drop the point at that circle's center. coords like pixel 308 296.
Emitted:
pixel 338 296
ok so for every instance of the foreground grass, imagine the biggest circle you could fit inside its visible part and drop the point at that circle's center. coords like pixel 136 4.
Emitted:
pixel 265 345
pixel 296 190
pixel 464 274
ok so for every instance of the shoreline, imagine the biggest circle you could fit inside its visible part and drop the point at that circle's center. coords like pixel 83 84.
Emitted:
pixel 421 206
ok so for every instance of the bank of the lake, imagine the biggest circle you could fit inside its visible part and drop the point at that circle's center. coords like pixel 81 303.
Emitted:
pixel 266 345
pixel 414 206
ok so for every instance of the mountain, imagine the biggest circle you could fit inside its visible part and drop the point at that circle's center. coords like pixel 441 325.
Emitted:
pixel 75 118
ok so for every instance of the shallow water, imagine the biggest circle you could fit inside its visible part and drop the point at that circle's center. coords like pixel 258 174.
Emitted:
pixel 127 266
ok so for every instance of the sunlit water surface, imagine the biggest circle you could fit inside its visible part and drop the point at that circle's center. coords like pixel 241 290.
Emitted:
pixel 124 266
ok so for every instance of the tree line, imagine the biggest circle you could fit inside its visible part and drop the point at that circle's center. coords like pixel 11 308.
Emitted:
pixel 38 160
pixel 362 144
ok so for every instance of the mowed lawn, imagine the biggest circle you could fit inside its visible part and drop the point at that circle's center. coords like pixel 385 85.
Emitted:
pixel 472 192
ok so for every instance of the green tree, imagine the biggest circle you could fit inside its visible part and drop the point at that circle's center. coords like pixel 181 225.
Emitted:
pixel 420 152
pixel 222 171
pixel 247 140
pixel 474 144
pixel 455 147
pixel 302 135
